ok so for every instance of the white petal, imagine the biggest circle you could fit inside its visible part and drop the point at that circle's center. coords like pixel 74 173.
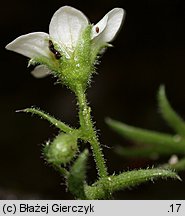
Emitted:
pixel 66 25
pixel 173 160
pixel 115 19
pixel 99 27
pixel 31 45
pixel 41 71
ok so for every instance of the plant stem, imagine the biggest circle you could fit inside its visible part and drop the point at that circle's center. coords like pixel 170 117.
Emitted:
pixel 88 132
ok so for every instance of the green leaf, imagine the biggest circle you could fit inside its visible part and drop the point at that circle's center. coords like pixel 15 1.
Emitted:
pixel 160 140
pixel 126 180
pixel 77 175
pixel 170 116
pixel 61 170
pixel 141 152
pixel 62 126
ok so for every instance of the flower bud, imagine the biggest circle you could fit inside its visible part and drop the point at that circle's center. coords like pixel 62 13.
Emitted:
pixel 62 149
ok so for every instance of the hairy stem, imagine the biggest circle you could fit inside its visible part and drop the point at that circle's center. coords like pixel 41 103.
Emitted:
pixel 88 132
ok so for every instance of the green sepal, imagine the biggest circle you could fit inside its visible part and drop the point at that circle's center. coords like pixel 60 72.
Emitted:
pixel 77 69
pixel 168 113
pixel 77 175
pixel 157 139
pixel 125 180
pixel 51 63
pixel 62 126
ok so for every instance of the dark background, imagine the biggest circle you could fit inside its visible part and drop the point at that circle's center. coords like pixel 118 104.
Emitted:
pixel 149 51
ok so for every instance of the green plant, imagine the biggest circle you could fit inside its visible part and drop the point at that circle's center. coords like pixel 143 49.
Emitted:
pixel 70 52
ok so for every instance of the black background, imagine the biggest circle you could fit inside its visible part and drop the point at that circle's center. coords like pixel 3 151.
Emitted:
pixel 149 51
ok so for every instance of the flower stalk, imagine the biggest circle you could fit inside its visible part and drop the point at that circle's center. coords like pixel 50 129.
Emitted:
pixel 88 133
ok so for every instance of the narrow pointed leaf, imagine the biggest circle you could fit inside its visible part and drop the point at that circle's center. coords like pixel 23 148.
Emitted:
pixel 168 113
pixel 148 137
pixel 49 118
pixel 77 175
pixel 126 180
pixel 63 171
pixel 149 152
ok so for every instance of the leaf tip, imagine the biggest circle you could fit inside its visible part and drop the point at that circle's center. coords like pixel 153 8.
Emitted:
pixel 107 120
pixel 21 110
pixel 161 93
pixel 178 178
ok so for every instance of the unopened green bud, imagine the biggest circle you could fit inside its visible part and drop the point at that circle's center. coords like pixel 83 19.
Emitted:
pixel 62 149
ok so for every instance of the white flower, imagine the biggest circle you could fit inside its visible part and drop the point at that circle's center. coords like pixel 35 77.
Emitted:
pixel 65 28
